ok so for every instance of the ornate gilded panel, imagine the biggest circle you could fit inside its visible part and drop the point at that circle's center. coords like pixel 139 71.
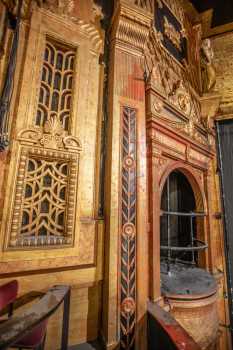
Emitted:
pixel 47 176
pixel 44 207
pixel 56 84
pixel 128 233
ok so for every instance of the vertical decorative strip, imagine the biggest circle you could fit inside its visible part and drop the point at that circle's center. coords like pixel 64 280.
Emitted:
pixel 128 230
pixel 8 84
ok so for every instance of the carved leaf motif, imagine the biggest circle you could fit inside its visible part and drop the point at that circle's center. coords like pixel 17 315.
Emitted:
pixel 53 126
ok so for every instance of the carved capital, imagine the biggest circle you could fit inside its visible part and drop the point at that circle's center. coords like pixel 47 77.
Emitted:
pixel 210 103
pixel 145 4
pixel 130 26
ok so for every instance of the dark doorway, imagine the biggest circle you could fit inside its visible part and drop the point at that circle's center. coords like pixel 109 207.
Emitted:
pixel 177 230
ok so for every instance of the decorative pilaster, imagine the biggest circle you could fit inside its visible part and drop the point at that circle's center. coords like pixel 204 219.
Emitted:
pixel 126 201
pixel 128 229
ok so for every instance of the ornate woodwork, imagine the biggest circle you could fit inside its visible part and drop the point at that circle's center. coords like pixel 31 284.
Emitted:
pixel 56 84
pixel 51 183
pixel 44 206
pixel 50 202
pixel 128 230
pixel 50 229
pixel 145 4
pixel 179 137
pixel 45 196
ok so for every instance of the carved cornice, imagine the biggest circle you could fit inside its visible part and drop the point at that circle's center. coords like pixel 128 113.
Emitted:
pixel 145 4
pixel 89 30
pixel 130 25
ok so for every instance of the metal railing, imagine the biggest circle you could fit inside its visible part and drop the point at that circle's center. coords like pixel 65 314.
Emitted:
pixel 195 244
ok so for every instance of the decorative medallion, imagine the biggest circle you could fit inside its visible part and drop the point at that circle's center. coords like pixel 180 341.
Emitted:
pixel 128 230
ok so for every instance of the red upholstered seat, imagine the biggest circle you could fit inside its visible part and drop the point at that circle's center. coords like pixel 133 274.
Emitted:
pixel 36 338
pixel 8 294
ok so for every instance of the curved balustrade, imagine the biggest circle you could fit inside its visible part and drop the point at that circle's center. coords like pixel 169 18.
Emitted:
pixel 165 333
pixel 20 325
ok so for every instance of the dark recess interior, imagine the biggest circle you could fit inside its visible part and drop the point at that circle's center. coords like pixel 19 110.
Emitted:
pixel 177 196
pixel 222 10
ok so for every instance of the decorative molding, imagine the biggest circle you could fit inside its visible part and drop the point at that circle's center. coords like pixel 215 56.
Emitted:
pixel 46 186
pixel 145 4
pixel 51 136
pixel 130 26
pixel 169 142
pixel 128 230
pixel 168 85
pixel 87 29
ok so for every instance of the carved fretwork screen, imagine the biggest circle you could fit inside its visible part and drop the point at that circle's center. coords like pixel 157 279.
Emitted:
pixel 56 84
pixel 43 208
pixel 44 202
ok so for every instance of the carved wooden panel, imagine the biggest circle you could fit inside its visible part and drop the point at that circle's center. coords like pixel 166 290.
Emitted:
pixel 128 230
pixel 43 213
pixel 56 84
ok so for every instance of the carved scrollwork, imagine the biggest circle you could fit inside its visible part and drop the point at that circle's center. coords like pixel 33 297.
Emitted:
pixel 72 143
pixel 184 102
pixel 51 136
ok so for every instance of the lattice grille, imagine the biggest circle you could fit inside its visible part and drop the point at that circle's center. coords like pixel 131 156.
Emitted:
pixel 56 84
pixel 44 198
pixel 44 205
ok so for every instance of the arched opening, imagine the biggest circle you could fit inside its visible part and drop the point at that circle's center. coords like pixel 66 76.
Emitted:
pixel 185 284
pixel 180 224
pixel 182 221
pixel 176 228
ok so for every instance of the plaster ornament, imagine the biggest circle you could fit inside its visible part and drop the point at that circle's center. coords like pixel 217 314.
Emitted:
pixel 184 102
pixel 152 68
pixel 129 230
pixel 157 106
pixel 208 70
pixel 61 7
pixel 128 306
pixel 53 132
pixel 129 162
